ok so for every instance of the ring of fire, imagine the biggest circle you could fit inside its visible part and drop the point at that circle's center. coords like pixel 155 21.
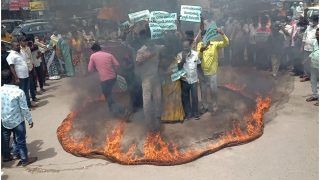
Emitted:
pixel 156 150
pixel 244 98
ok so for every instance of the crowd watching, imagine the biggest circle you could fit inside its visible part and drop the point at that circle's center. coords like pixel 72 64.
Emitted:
pixel 266 42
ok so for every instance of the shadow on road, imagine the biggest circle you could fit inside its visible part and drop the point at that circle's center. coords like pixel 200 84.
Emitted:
pixel 48 96
pixel 52 88
pixel 42 103
pixel 35 149
pixel 4 177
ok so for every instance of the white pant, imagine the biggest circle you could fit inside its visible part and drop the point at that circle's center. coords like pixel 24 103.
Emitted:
pixel 210 86
pixel 151 89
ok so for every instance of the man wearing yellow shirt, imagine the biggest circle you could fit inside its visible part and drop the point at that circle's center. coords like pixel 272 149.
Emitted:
pixel 209 63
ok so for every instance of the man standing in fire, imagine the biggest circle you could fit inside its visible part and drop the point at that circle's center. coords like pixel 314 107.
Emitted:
pixel 107 66
pixel 147 63
pixel 188 59
pixel 209 62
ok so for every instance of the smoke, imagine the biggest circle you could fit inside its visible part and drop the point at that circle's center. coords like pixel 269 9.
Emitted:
pixel 235 70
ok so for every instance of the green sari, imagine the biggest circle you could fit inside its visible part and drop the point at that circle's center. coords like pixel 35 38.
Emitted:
pixel 66 55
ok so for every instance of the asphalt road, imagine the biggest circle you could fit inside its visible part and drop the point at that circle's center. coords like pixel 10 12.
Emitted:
pixel 287 150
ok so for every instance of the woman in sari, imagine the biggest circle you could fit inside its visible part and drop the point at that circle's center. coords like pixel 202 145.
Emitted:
pixel 77 53
pixel 65 54
pixel 52 63
pixel 172 109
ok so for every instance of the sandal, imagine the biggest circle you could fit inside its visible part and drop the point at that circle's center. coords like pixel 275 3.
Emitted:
pixel 305 79
pixel 311 99
pixel 7 159
pixel 197 117
pixel 30 161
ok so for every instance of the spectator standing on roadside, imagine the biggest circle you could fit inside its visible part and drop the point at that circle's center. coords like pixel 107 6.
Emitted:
pixel 14 113
pixel 20 71
pixel 307 45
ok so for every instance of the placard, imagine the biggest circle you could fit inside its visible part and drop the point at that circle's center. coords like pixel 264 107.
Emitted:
pixel 14 5
pixel 37 6
pixel 156 31
pixel 190 13
pixel 139 16
pixel 167 21
pixel 211 33
pixel 178 74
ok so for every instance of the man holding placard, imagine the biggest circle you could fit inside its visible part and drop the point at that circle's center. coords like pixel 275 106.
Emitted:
pixel 188 60
pixel 208 53
pixel 147 63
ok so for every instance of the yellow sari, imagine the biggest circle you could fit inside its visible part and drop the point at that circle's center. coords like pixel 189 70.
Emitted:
pixel 171 99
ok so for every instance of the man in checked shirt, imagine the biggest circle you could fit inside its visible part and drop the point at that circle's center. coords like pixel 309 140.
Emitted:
pixel 14 112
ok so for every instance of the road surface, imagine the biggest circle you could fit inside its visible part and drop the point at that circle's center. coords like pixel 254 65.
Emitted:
pixel 287 150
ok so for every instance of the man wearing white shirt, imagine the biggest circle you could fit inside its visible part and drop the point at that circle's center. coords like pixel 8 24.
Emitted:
pixel 188 59
pixel 19 69
pixel 307 44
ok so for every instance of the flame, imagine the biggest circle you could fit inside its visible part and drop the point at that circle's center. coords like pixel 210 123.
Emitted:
pixel 75 146
pixel 155 148
pixel 234 87
pixel 112 147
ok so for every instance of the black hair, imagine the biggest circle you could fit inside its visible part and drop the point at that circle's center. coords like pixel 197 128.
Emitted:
pixel 143 32
pixel 188 40
pixel 203 32
pixel 22 39
pixel 95 47
pixel 15 41
pixel 264 19
pixel 189 34
pixel 6 77
pixel 314 18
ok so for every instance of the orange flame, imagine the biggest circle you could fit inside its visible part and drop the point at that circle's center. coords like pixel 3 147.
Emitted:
pixel 234 87
pixel 155 149
pixel 74 146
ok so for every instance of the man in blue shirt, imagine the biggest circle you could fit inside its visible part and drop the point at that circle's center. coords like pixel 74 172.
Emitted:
pixel 14 112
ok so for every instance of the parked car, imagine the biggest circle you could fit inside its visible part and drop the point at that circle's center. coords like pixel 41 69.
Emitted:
pixel 36 29
pixel 34 20
pixel 10 24
pixel 312 11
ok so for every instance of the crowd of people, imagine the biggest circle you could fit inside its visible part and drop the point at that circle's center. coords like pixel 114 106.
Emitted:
pixel 274 43
pixel 149 67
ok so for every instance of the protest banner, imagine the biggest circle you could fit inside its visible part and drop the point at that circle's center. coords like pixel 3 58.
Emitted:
pixel 125 25
pixel 167 21
pixel 156 31
pixel 14 5
pixel 211 33
pixel 24 4
pixel 190 13
pixel 139 16
pixel 178 74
